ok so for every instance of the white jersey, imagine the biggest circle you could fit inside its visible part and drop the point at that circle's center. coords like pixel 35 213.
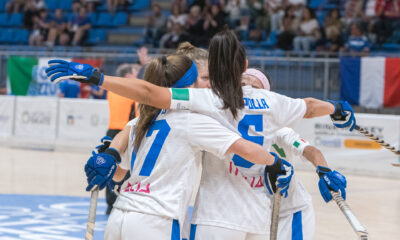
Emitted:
pixel 290 146
pixel 232 193
pixel 163 169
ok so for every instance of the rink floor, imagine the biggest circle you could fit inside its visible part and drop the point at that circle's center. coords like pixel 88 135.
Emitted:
pixel 42 196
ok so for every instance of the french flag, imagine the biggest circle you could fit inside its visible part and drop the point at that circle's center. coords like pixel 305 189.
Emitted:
pixel 372 82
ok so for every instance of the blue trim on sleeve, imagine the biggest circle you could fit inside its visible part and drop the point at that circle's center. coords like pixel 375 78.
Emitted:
pixel 297 228
pixel 192 231
pixel 176 232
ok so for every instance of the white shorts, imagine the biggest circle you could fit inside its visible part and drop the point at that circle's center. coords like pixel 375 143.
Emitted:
pixel 297 226
pixel 127 225
pixel 206 232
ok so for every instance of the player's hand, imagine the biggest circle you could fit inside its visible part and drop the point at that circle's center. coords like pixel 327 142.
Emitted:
pixel 100 168
pixel 60 70
pixel 105 143
pixel 343 117
pixel 278 175
pixel 331 180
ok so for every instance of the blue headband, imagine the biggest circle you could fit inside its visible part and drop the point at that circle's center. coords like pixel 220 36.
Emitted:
pixel 188 78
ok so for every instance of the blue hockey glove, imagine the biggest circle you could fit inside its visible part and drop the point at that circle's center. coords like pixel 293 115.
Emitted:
pixel 343 117
pixel 331 181
pixel 105 143
pixel 60 70
pixel 278 175
pixel 100 168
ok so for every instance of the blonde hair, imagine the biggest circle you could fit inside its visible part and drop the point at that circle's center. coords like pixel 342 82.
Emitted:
pixel 192 52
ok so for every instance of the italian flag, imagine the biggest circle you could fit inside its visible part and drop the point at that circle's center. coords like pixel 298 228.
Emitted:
pixel 27 75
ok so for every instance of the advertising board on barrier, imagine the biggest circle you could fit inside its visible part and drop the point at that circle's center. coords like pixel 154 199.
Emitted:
pixel 36 117
pixel 322 133
pixel 82 119
pixel 6 115
pixel 346 146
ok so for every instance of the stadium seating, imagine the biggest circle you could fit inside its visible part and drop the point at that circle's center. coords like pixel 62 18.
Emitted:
pixel 15 20
pixel 97 36
pixel 119 19
pixel 104 19
pixel 3 19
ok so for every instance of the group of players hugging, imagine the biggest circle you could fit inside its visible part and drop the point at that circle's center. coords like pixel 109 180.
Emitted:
pixel 207 110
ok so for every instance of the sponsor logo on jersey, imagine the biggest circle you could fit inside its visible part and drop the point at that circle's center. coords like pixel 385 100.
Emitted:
pixel 255 103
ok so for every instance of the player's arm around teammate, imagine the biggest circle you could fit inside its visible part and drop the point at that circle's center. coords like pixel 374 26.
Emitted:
pixel 160 97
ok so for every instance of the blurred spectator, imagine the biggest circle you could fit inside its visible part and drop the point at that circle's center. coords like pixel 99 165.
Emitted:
pixel 288 29
pixel 15 6
pixel 174 38
pixel 37 4
pixel 76 5
pixel 352 12
pixel 308 32
pixel 181 3
pixel 58 29
pixel 121 108
pixel 92 5
pixel 78 27
pixel 357 42
pixel 156 24
pixel 333 25
pixel 235 9
pixel 214 21
pixel 31 10
pixel 40 29
pixel 243 28
pixel 3 91
pixel 69 89
pixel 112 5
pixel 176 17
pixel 194 25
pixel 392 9
pixel 276 11
pixel 97 92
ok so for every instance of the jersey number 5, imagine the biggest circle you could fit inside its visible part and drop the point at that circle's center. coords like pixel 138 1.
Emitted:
pixel 243 127
pixel 155 149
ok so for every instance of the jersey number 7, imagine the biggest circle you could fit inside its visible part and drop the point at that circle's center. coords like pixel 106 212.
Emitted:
pixel 155 149
pixel 243 128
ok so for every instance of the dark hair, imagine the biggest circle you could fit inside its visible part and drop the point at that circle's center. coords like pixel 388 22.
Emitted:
pixel 162 71
pixel 226 63
pixel 312 13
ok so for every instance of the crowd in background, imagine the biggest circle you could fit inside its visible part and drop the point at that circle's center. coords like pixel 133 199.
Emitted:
pixel 55 28
pixel 353 25
pixel 340 25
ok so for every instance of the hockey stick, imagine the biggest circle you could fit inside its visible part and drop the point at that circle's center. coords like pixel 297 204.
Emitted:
pixel 92 213
pixel 354 222
pixel 276 205
pixel 380 141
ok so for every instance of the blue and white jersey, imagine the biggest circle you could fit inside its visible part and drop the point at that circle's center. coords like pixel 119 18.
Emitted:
pixel 357 44
pixel 232 193
pixel 164 168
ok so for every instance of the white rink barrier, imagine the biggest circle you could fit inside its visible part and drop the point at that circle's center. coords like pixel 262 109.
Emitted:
pixel 50 123
pixel 79 124
pixel 352 150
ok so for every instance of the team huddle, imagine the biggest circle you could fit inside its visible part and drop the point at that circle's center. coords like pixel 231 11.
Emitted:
pixel 231 126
